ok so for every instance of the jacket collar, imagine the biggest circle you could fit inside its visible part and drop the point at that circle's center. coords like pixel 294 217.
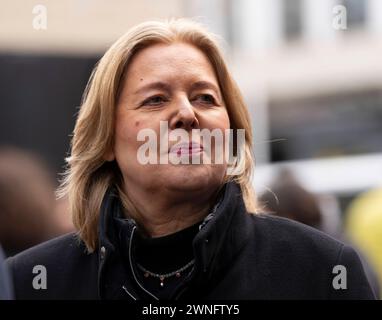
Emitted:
pixel 112 275
pixel 222 235
pixel 222 238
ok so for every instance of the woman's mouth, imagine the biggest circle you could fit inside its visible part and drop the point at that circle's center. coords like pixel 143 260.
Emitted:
pixel 188 148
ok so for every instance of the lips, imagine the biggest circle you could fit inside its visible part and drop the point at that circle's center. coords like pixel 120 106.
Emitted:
pixel 186 148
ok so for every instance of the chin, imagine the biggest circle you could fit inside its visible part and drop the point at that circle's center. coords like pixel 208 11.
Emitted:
pixel 194 177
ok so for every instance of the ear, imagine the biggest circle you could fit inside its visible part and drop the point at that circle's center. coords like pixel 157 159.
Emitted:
pixel 109 155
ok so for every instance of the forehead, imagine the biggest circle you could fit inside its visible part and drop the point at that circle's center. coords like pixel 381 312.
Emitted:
pixel 166 61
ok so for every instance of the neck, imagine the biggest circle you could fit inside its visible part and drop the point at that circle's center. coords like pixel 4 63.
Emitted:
pixel 162 215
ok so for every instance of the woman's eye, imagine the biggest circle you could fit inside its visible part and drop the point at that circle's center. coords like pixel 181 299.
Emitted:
pixel 154 101
pixel 205 98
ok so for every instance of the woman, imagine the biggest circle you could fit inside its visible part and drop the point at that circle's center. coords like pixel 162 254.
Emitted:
pixel 167 230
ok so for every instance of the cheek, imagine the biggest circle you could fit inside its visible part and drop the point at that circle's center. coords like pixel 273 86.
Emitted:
pixel 126 132
pixel 225 121
pixel 219 120
pixel 126 135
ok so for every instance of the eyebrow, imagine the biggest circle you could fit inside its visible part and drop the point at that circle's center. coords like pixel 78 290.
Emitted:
pixel 159 85
pixel 205 85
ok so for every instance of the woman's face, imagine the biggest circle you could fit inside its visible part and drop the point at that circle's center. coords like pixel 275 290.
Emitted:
pixel 174 83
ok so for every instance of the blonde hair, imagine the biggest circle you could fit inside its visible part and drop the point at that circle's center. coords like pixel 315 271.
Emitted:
pixel 89 175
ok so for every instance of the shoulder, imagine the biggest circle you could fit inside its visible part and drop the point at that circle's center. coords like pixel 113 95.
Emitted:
pixel 5 287
pixel 284 243
pixel 287 246
pixel 284 232
pixel 60 248
pixel 64 260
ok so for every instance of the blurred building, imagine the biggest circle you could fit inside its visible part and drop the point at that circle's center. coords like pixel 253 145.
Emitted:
pixel 315 90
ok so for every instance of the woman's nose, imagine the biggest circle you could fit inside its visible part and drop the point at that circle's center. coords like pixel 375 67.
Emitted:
pixel 185 117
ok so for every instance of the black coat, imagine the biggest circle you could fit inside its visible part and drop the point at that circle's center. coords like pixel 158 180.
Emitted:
pixel 237 256
pixel 5 284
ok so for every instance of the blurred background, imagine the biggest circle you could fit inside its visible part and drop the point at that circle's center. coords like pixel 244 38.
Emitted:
pixel 310 71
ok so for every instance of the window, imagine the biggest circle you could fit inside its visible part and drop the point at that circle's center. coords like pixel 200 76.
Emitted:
pixel 356 13
pixel 292 11
pixel 340 125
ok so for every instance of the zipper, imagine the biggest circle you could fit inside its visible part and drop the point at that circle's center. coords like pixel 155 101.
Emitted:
pixel 132 268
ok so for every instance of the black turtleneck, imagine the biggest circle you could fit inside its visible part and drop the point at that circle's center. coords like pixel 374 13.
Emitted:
pixel 160 255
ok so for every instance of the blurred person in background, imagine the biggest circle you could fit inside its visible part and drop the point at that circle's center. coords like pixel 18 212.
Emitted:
pixel 363 225
pixel 165 231
pixel 29 213
pixel 289 199
pixel 5 282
